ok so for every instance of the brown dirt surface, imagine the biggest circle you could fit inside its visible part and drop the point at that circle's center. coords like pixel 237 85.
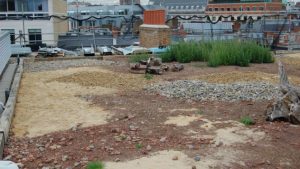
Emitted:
pixel 126 127
pixel 44 106
pixel 108 79
pixel 235 76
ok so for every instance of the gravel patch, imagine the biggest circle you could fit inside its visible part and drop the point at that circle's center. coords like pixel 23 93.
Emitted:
pixel 203 91
pixel 64 64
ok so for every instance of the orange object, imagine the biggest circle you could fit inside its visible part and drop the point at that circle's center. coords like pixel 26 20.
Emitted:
pixel 155 17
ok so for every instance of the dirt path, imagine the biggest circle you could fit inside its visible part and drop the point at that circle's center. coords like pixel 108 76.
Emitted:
pixel 44 106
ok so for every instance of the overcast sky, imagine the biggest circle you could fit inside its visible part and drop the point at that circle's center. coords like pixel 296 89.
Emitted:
pixel 107 1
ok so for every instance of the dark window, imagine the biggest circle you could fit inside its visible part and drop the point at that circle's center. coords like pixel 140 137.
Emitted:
pixel 234 9
pixel 35 36
pixel 216 9
pixel 12 35
pixel 40 7
pixel 210 9
pixel 261 8
pixel 222 9
pixel 11 5
pixel 228 9
pixel 254 8
pixel 3 6
pixel 248 8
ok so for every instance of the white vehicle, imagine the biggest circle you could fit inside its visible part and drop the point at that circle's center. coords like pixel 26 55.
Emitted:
pixel 104 50
pixel 88 51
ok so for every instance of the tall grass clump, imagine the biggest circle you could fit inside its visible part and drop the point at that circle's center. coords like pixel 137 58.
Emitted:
pixel 217 53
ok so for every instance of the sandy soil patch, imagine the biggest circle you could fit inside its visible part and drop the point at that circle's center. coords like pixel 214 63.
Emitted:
pixel 163 160
pixel 184 110
pixel 291 60
pixel 235 76
pixel 109 79
pixel 45 106
pixel 181 120
pixel 237 133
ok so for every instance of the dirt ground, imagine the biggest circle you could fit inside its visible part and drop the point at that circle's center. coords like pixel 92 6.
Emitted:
pixel 66 118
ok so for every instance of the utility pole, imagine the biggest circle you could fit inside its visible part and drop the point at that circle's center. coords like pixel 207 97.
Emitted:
pixel 22 35
pixel 132 17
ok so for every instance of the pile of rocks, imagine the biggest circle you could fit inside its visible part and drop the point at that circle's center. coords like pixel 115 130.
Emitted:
pixel 202 91
pixel 64 64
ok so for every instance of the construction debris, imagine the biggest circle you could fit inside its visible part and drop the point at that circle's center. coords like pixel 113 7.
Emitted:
pixel 287 107
pixel 53 52
pixel 153 66
pixel 177 67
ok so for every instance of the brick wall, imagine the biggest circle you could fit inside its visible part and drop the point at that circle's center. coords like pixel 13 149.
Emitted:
pixel 154 35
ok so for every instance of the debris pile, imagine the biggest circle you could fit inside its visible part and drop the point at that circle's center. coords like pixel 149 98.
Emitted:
pixel 153 66
pixel 202 91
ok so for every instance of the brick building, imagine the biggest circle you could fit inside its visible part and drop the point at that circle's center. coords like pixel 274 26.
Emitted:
pixel 241 9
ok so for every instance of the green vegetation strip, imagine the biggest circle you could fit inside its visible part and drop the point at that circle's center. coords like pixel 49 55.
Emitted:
pixel 217 53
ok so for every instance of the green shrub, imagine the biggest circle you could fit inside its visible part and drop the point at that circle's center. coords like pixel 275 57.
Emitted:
pixel 95 165
pixel 217 53
pixel 247 121
pixel 138 146
pixel 137 58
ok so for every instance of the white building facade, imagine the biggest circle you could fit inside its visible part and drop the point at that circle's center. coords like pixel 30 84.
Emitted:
pixel 5 50
pixel 35 24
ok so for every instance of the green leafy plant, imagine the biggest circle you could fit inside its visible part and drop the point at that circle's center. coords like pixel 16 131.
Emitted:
pixel 138 146
pixel 247 121
pixel 95 165
pixel 148 76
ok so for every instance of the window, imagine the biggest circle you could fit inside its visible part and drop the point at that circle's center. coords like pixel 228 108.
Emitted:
pixel 35 36
pixel 222 9
pixel 228 9
pixel 12 34
pixel 32 5
pixel 261 8
pixel 254 8
pixel 234 9
pixel 11 5
pixel 7 5
pixel 3 6
pixel 248 8
pixel 216 9
pixel 209 9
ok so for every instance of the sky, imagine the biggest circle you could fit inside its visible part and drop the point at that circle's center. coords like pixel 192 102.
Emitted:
pixel 108 1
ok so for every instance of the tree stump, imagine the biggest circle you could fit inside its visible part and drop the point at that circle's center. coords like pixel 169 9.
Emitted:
pixel 287 107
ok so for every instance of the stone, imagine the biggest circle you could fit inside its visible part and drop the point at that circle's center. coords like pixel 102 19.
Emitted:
pixel 65 158
pixel 194 167
pixel 175 158
pixel 163 139
pixel 148 148
pixel 7 158
pixel 197 158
